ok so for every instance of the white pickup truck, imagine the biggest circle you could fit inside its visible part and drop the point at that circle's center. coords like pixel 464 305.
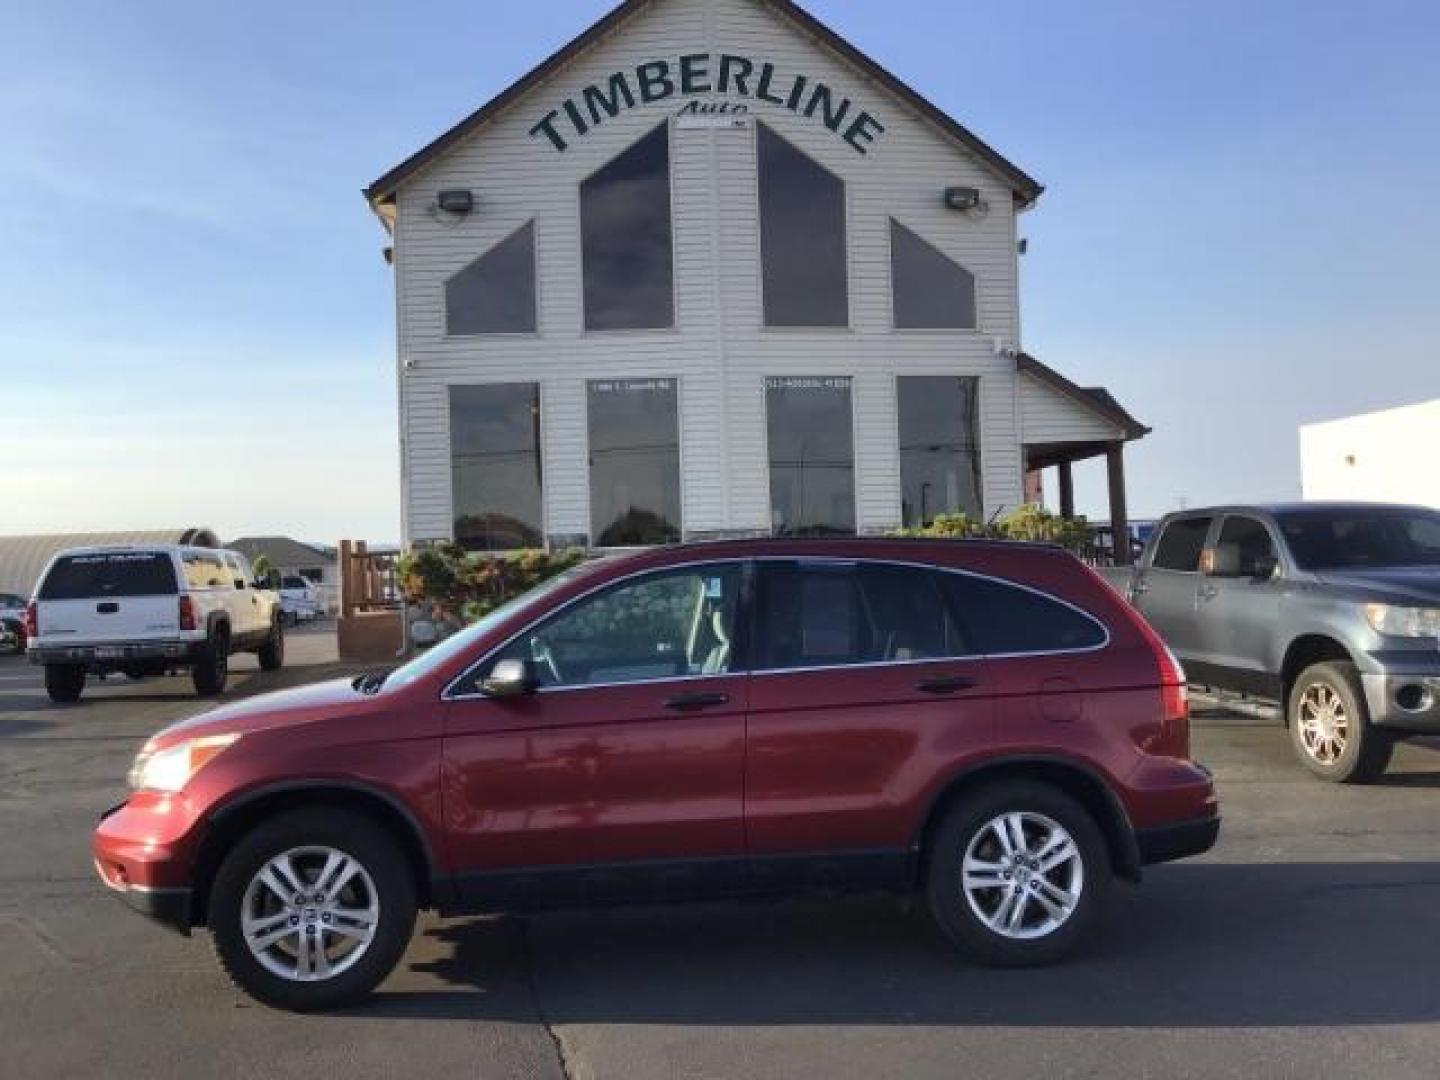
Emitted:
pixel 148 610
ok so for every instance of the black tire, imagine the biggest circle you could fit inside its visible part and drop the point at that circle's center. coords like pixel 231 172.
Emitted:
pixel 272 653
pixel 212 667
pixel 357 837
pixel 64 683
pixel 954 908
pixel 1364 751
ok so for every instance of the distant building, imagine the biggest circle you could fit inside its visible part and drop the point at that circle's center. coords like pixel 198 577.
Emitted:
pixel 1386 456
pixel 24 558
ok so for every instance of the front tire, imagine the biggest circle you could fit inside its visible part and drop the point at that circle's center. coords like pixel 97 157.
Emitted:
pixel 1330 726
pixel 212 666
pixel 1018 874
pixel 272 653
pixel 64 683
pixel 312 909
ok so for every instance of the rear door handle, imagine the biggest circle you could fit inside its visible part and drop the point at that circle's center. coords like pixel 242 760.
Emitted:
pixel 693 702
pixel 107 609
pixel 950 685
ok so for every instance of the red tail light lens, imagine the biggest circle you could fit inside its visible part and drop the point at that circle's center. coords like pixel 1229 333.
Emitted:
pixel 187 613
pixel 32 619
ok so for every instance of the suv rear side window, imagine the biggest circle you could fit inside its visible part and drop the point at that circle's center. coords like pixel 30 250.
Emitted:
pixel 1004 619
pixel 834 615
pixel 1180 545
pixel 79 577
pixel 206 571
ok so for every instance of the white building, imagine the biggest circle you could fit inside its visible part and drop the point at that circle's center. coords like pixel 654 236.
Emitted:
pixel 1387 456
pixel 711 271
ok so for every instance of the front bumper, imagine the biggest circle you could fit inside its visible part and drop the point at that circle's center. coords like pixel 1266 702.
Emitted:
pixel 114 655
pixel 1166 843
pixel 1404 701
pixel 142 851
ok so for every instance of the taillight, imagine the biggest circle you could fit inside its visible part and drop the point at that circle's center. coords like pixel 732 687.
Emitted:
pixel 32 620
pixel 187 613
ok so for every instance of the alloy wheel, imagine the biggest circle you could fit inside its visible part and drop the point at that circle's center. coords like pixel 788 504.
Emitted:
pixel 310 914
pixel 1324 723
pixel 1023 875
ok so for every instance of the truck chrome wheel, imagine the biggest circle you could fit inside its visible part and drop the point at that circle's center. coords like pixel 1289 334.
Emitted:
pixel 1324 723
pixel 310 914
pixel 1023 875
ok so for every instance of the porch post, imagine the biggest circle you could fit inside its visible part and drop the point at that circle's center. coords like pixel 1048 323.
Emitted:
pixel 1067 491
pixel 1119 512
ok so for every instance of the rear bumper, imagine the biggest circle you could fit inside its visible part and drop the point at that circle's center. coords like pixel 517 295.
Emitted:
pixel 114 655
pixel 1166 843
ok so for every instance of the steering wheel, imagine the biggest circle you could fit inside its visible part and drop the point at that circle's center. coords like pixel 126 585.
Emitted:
pixel 542 654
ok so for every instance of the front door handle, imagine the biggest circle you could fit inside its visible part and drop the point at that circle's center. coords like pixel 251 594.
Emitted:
pixel 1209 592
pixel 693 702
pixel 946 685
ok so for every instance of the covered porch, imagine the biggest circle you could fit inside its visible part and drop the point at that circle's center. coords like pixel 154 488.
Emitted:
pixel 1064 424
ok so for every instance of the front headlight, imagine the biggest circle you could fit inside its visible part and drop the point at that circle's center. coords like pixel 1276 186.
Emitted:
pixel 1403 621
pixel 171 769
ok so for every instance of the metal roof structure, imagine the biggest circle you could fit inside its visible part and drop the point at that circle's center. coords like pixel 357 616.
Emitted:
pixel 24 558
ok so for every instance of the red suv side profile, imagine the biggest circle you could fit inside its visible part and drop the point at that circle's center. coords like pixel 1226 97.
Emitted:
pixel 984 723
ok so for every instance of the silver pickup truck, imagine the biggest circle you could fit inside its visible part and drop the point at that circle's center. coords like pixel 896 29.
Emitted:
pixel 1330 610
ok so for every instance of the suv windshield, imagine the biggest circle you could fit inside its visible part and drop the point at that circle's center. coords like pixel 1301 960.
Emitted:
pixel 1362 538
pixel 453 646
pixel 114 573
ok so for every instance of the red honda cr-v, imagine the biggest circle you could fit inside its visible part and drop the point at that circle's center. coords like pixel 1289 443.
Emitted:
pixel 986 723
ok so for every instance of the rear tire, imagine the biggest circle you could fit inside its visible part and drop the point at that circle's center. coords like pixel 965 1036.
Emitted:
pixel 64 683
pixel 272 653
pixel 1018 845
pixel 383 887
pixel 1330 725
pixel 212 666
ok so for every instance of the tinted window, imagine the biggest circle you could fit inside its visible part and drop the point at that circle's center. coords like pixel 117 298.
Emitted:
pixel 625 239
pixel 1000 619
pixel 1251 538
pixel 939 447
pixel 678 624
pixel 1181 543
pixel 495 466
pixel 634 462
pixel 812 457
pixel 827 615
pixel 932 291
pixel 495 294
pixel 1356 539
pixel 79 577
pixel 802 237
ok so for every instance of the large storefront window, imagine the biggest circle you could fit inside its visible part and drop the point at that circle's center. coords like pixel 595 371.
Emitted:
pixel 932 291
pixel 812 457
pixel 802 237
pixel 625 239
pixel 939 447
pixel 495 466
pixel 495 294
pixel 634 462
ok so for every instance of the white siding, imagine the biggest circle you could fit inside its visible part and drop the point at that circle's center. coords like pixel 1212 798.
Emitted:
pixel 719 349
pixel 1386 456
pixel 1049 416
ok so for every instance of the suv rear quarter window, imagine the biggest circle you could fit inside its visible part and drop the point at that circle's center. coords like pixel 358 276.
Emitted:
pixel 79 577
pixel 1004 619
pixel 1180 545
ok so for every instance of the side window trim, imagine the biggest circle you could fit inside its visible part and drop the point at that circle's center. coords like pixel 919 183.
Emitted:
pixel 455 689
pixel 1207 541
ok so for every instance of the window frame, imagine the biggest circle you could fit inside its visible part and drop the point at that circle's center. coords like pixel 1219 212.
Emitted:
pixel 854 381
pixel 979 436
pixel 679 382
pixel 765 327
pixel 533 223
pixel 455 689
pixel 1217 534
pixel 1211 520
pixel 543 435
pixel 980 320
pixel 579 206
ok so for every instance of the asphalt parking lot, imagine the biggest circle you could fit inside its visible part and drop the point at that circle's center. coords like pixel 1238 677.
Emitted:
pixel 1304 945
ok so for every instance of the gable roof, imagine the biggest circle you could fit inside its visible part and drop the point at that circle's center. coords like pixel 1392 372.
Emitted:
pixel 1026 189
pixel 282 551
pixel 1096 399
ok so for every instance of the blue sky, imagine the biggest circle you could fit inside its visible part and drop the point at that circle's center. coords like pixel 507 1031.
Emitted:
pixel 1239 233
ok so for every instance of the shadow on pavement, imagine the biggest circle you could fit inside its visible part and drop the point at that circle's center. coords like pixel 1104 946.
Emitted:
pixel 1198 946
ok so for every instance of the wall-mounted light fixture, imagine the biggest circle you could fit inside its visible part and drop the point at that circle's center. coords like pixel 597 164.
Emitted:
pixel 963 198
pixel 458 201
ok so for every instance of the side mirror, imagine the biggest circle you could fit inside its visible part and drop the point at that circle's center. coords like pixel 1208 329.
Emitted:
pixel 1224 561
pixel 240 585
pixel 510 679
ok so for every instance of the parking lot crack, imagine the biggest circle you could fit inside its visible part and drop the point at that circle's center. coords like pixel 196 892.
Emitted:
pixel 532 976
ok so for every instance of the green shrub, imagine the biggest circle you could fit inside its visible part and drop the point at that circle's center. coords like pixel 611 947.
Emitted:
pixel 471 586
pixel 1033 524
